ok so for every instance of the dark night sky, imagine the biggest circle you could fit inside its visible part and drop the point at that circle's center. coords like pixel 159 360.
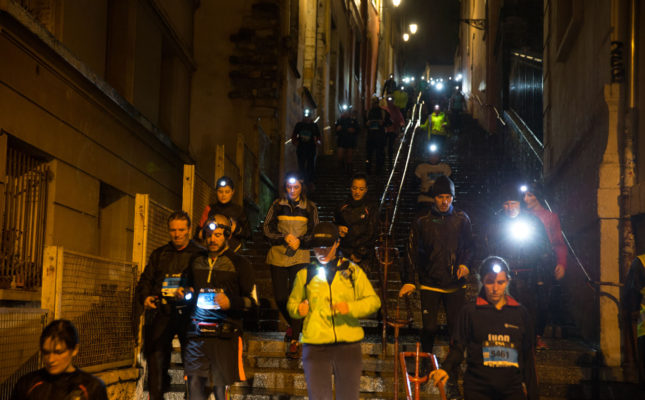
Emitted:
pixel 436 39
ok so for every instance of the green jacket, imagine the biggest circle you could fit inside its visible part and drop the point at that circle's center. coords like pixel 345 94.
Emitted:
pixel 435 125
pixel 322 325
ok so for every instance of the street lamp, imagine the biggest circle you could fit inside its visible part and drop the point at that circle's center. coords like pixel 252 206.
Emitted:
pixel 413 28
pixel 396 3
pixel 406 37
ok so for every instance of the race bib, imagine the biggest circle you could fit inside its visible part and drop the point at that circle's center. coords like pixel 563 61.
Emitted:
pixel 206 299
pixel 500 354
pixel 170 285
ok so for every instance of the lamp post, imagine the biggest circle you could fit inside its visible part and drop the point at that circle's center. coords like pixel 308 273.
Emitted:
pixel 413 28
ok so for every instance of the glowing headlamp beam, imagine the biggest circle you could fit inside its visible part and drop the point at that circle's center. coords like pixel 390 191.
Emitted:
pixel 521 230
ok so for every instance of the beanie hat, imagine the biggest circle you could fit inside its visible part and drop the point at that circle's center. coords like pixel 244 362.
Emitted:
pixel 443 185
pixel 510 192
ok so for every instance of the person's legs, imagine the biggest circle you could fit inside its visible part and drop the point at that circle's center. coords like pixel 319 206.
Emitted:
pixel 302 159
pixel 429 311
pixel 158 358
pixel 347 365
pixel 197 387
pixel 281 289
pixel 349 157
pixel 311 164
pixel 542 297
pixel 318 370
pixel 523 289
pixel 219 392
pixel 453 302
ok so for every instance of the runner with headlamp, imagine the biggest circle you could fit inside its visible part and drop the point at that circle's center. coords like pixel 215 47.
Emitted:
pixel 331 295
pixel 520 238
pixel 497 334
pixel 219 287
pixel 225 206
pixel 288 226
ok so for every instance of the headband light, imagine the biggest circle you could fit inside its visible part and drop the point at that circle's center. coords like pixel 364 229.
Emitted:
pixel 497 268
pixel 212 226
pixel 292 180
pixel 222 183
pixel 307 112
pixel 188 296
pixel 433 148
pixel 523 188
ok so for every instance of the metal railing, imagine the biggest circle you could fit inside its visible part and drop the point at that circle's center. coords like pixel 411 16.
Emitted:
pixel 19 345
pixel 409 130
pixel 490 106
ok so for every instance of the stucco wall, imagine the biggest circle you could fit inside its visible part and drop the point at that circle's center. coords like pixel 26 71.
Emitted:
pixel 581 163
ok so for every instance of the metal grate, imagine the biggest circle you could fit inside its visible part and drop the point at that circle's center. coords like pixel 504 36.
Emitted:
pixel 19 354
pixel 97 297
pixel 157 227
pixel 203 196
pixel 23 221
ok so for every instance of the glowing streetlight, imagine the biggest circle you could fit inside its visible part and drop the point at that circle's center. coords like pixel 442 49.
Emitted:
pixel 396 3
pixel 406 37
pixel 413 28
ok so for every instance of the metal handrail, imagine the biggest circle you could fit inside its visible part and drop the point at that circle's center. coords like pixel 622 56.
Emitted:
pixel 497 114
pixel 410 124
pixel 405 170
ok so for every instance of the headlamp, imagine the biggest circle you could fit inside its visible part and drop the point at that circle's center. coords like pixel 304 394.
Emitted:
pixel 321 273
pixel 432 148
pixel 222 183
pixel 521 230
pixel 497 268
pixel 292 180
pixel 307 112
pixel 344 107
pixel 389 99
pixel 523 188
pixel 188 296
pixel 439 86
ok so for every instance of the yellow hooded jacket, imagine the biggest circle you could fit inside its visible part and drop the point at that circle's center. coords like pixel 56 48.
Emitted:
pixel 322 324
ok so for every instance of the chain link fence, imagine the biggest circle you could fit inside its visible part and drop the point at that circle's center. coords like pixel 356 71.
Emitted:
pixel 97 295
pixel 19 348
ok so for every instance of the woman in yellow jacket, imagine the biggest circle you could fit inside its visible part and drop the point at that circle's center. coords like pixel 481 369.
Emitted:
pixel 331 295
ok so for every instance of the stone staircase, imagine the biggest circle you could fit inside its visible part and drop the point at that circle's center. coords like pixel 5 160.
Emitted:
pixel 569 369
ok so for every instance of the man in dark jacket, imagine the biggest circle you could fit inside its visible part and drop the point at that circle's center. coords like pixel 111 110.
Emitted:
pixel 306 135
pixel 221 286
pixel 357 221
pixel 440 252
pixel 156 293
pixel 520 238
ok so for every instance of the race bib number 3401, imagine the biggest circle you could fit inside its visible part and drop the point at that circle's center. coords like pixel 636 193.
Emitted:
pixel 500 354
